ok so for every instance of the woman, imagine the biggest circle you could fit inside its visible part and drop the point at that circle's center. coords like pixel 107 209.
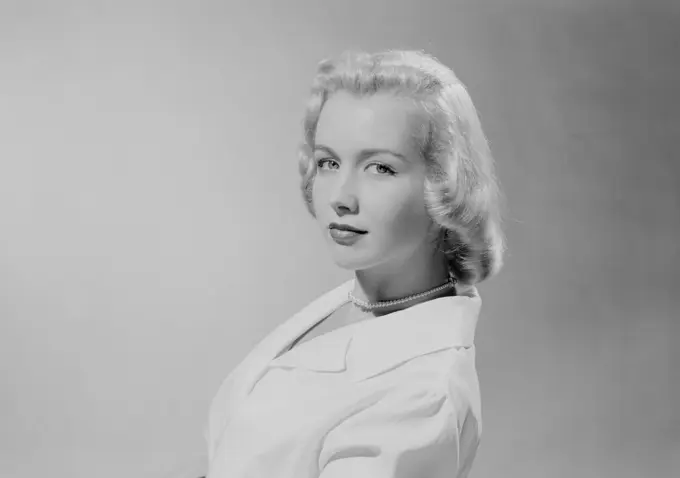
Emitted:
pixel 376 378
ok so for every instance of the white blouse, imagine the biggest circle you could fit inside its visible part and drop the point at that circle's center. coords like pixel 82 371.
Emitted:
pixel 391 396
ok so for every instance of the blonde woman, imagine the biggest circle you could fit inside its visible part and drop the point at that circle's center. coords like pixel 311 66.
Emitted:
pixel 376 378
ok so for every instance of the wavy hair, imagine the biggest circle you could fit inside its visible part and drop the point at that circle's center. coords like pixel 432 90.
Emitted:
pixel 462 195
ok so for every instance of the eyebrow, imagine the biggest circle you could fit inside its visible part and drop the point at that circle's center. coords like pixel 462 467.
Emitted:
pixel 364 153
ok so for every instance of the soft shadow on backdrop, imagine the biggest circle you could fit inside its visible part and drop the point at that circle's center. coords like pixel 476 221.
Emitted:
pixel 152 230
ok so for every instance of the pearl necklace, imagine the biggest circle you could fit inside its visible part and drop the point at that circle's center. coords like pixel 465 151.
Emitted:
pixel 451 282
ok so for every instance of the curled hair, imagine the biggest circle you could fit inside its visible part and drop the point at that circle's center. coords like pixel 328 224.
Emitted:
pixel 461 191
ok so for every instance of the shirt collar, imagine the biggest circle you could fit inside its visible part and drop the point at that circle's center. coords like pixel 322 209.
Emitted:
pixel 365 349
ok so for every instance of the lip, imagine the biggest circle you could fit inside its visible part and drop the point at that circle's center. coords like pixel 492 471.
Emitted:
pixel 345 227
pixel 345 237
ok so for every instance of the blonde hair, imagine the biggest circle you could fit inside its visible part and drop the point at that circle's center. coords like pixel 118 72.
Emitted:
pixel 461 191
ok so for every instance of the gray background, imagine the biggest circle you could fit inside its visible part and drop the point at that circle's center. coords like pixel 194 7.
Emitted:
pixel 152 230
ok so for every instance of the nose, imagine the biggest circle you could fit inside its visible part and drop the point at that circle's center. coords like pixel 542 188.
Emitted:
pixel 344 199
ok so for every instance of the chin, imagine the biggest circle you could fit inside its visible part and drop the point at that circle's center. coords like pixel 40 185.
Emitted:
pixel 353 262
pixel 348 266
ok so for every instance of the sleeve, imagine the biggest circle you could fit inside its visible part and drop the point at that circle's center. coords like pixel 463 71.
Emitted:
pixel 409 433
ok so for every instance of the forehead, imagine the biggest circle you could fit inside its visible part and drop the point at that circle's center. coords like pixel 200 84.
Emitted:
pixel 349 122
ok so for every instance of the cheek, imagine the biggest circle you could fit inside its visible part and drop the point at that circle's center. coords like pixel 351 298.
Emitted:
pixel 318 193
pixel 321 191
pixel 406 221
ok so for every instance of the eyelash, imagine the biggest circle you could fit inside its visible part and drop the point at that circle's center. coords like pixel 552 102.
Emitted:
pixel 390 171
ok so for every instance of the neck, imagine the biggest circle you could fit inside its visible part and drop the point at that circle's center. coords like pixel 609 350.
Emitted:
pixel 395 280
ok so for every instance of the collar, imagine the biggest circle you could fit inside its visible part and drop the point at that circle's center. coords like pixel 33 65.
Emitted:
pixel 368 348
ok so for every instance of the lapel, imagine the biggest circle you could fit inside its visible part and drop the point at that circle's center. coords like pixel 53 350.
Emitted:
pixel 365 349
pixel 286 333
pixel 239 383
pixel 242 379
pixel 386 342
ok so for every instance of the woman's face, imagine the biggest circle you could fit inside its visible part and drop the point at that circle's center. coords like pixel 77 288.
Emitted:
pixel 370 176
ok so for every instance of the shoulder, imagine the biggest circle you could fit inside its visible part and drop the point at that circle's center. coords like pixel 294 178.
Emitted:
pixel 408 424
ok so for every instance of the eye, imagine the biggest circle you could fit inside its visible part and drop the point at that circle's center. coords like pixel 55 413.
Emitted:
pixel 326 161
pixel 382 169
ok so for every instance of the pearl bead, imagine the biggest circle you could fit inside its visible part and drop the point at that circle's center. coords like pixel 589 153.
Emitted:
pixel 388 303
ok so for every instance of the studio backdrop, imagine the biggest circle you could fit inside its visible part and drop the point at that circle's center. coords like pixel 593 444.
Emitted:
pixel 152 229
